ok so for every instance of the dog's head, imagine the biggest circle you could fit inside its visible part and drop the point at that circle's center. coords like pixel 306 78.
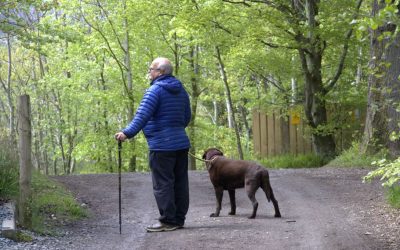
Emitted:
pixel 211 152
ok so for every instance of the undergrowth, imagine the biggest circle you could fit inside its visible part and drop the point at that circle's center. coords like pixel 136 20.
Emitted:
pixel 353 158
pixel 52 205
pixel 293 161
pixel 8 172
pixel 393 196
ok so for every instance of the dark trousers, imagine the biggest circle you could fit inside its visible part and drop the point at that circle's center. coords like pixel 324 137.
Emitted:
pixel 171 184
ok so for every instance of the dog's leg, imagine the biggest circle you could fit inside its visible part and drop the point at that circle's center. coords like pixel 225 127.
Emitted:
pixel 270 195
pixel 275 202
pixel 233 201
pixel 251 193
pixel 219 191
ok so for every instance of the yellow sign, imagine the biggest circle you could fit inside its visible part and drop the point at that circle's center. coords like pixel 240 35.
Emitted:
pixel 295 120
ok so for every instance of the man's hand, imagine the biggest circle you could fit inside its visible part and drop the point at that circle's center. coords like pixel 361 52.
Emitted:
pixel 120 136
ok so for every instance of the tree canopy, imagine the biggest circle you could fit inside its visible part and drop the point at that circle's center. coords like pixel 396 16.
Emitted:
pixel 84 64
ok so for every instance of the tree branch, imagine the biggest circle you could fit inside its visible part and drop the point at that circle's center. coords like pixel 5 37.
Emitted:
pixel 273 82
pixel 112 26
pixel 121 66
pixel 238 2
pixel 281 7
pixel 165 38
pixel 275 46
pixel 332 81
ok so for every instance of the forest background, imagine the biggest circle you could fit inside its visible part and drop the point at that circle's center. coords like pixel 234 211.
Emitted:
pixel 84 64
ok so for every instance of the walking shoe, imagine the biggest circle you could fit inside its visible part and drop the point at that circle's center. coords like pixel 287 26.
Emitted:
pixel 161 227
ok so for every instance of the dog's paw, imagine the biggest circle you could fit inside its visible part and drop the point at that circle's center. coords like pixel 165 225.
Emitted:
pixel 278 215
pixel 214 215
pixel 251 217
pixel 232 213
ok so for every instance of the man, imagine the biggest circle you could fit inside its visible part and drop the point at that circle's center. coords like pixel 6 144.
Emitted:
pixel 163 114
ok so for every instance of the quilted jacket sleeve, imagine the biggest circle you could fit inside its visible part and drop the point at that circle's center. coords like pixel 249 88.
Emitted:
pixel 145 111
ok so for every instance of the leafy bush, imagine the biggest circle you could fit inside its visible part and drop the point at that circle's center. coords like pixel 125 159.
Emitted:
pixel 50 203
pixel 8 172
pixel 294 161
pixel 353 158
pixel 389 171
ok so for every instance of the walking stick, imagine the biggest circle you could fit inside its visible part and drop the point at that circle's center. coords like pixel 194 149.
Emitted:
pixel 119 182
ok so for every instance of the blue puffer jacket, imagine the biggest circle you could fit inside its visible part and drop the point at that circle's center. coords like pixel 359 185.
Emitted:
pixel 163 114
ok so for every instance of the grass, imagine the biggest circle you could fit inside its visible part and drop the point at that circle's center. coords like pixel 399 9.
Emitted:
pixel 393 196
pixel 52 205
pixel 353 158
pixel 294 161
pixel 8 173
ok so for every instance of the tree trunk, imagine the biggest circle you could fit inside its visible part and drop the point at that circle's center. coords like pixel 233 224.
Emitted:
pixel 216 113
pixel 127 59
pixel 103 86
pixel 229 111
pixel 11 125
pixel 36 132
pixel 176 55
pixel 314 105
pixel 61 144
pixel 25 144
pixel 55 166
pixel 195 93
pixel 229 101
pixel 72 166
pixel 392 95
pixel 243 111
pixel 383 90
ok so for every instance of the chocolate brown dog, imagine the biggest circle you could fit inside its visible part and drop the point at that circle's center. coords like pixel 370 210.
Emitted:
pixel 227 174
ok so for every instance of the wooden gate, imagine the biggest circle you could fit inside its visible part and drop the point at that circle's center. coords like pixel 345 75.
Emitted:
pixel 274 135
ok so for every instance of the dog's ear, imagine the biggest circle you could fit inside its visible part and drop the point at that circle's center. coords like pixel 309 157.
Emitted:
pixel 220 152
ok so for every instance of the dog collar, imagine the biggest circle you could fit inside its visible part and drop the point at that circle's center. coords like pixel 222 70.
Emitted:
pixel 210 162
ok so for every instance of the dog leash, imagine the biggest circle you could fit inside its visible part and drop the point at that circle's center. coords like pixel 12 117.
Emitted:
pixel 208 166
pixel 198 158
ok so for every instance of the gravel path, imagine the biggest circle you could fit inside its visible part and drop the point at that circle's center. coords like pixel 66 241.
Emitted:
pixel 5 213
pixel 325 208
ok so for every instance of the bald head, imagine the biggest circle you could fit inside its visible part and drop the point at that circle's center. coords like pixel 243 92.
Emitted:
pixel 163 64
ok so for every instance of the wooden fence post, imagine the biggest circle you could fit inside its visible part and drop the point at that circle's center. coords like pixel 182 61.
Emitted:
pixel 25 161
pixel 256 132
pixel 264 135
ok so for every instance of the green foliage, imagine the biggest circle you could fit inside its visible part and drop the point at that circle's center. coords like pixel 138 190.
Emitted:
pixel 22 237
pixel 294 161
pixel 72 65
pixel 9 172
pixel 389 171
pixel 52 205
pixel 352 157
pixel 212 136
pixel 393 196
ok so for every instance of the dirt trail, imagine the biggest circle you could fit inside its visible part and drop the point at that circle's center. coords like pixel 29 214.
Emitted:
pixel 324 208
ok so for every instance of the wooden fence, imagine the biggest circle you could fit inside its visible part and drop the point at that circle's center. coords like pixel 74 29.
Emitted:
pixel 274 135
